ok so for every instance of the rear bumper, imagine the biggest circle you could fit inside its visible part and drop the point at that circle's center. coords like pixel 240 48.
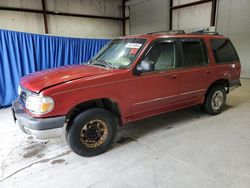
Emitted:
pixel 233 84
pixel 42 128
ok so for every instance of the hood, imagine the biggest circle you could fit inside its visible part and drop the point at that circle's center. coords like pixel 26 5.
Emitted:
pixel 42 79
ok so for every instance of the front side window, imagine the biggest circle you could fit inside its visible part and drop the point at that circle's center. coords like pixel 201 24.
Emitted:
pixel 224 51
pixel 119 53
pixel 193 53
pixel 162 55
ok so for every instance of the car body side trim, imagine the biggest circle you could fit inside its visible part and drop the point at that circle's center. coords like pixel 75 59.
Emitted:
pixel 154 100
pixel 191 92
pixel 162 98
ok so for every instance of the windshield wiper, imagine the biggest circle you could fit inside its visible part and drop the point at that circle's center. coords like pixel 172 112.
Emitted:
pixel 101 63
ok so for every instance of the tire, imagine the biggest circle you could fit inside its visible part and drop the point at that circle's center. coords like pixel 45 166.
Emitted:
pixel 92 132
pixel 215 100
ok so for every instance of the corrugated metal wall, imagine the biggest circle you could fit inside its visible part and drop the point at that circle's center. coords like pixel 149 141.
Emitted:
pixel 233 20
pixel 191 18
pixel 64 25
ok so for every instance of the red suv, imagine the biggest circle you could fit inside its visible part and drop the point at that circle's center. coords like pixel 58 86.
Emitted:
pixel 131 78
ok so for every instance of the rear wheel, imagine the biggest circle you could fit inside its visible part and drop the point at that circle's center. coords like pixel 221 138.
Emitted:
pixel 92 132
pixel 215 100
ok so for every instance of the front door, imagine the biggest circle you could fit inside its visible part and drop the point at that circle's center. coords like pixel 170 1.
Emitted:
pixel 158 88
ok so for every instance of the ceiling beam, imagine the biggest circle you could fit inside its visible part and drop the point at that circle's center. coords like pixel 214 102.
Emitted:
pixel 189 4
pixel 124 17
pixel 213 12
pixel 45 17
pixel 170 14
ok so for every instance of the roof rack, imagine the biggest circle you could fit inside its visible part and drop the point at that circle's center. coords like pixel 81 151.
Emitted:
pixel 205 32
pixel 168 32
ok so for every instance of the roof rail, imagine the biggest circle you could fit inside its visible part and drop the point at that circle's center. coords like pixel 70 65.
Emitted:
pixel 168 32
pixel 205 32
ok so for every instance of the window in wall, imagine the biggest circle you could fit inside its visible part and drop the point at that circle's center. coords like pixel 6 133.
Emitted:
pixel 224 51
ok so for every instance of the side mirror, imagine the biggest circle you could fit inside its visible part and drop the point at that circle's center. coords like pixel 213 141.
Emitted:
pixel 145 66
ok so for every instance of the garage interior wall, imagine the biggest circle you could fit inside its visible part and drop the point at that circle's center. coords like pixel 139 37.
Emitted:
pixel 148 16
pixel 233 20
pixel 64 25
pixel 192 18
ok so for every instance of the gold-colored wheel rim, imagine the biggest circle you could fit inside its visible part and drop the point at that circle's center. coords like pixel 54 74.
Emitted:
pixel 94 133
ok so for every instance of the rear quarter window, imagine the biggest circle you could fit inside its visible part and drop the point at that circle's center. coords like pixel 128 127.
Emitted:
pixel 224 51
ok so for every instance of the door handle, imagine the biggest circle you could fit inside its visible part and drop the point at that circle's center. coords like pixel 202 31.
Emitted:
pixel 172 76
pixel 208 71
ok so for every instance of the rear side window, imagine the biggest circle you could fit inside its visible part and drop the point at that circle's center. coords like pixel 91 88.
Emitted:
pixel 224 51
pixel 193 53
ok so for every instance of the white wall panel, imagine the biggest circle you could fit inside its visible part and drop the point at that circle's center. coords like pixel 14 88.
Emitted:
pixel 180 2
pixel 92 7
pixel 20 21
pixel 127 27
pixel 233 20
pixel 149 16
pixel 32 4
pixel 192 18
pixel 64 25
pixel 84 27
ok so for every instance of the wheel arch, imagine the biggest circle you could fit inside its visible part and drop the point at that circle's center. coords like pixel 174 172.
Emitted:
pixel 223 82
pixel 106 103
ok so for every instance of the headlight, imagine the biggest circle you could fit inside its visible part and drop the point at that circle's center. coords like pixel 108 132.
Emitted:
pixel 19 90
pixel 39 104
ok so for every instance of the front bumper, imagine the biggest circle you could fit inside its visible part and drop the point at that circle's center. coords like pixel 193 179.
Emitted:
pixel 42 128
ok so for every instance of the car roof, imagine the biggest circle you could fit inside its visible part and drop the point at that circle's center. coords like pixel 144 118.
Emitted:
pixel 152 36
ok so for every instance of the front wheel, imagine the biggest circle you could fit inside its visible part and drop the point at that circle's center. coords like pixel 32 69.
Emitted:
pixel 215 100
pixel 92 132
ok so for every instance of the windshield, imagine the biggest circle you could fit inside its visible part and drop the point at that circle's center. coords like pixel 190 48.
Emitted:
pixel 118 53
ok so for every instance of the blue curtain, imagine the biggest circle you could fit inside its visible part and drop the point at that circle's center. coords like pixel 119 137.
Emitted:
pixel 24 53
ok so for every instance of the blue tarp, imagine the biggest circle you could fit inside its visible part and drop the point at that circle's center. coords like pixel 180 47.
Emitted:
pixel 24 53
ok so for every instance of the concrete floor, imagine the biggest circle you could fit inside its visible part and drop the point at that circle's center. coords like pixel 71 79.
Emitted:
pixel 186 148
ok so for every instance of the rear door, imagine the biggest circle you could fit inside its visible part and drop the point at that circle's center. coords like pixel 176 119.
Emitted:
pixel 195 74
